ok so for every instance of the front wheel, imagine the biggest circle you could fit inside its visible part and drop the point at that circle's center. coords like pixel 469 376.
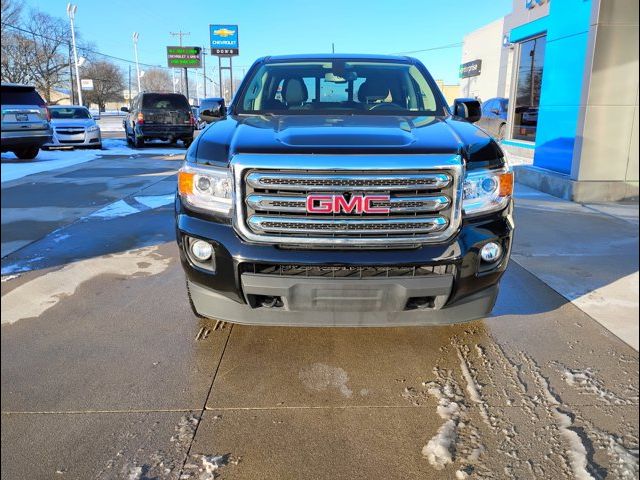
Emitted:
pixel 28 153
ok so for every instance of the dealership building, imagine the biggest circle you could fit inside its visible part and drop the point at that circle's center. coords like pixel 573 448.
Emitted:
pixel 570 71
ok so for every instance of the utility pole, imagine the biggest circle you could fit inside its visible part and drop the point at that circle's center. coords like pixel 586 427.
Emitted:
pixel 333 48
pixel 181 34
pixel 135 49
pixel 129 86
pixel 72 96
pixel 71 12
pixel 204 71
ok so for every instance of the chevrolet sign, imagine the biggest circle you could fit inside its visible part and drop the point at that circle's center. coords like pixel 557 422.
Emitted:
pixel 224 40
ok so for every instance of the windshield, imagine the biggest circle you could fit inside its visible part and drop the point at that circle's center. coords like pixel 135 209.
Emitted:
pixel 340 87
pixel 70 113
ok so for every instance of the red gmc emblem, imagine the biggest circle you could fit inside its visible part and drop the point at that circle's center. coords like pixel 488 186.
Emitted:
pixel 339 204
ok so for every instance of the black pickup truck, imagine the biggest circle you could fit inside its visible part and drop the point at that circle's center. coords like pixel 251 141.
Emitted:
pixel 341 190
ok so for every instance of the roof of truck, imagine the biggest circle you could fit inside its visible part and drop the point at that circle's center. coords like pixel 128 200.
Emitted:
pixel 338 56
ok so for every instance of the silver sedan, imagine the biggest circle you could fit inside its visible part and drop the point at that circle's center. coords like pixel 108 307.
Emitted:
pixel 73 126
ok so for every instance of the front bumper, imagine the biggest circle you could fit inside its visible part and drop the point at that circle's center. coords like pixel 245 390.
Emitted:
pixel 85 139
pixel 467 291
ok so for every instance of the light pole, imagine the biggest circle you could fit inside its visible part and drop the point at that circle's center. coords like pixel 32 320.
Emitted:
pixel 71 12
pixel 135 50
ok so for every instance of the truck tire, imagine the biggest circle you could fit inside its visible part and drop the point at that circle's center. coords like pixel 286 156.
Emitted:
pixel 28 153
pixel 193 307
pixel 138 142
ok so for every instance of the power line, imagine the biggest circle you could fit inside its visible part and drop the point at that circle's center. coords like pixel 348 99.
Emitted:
pixel 442 47
pixel 84 49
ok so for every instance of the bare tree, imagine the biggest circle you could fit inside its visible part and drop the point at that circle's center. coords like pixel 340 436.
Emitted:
pixel 48 57
pixel 108 83
pixel 15 68
pixel 157 80
pixel 13 44
pixel 11 11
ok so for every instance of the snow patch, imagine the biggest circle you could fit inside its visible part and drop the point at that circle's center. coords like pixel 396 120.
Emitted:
pixel 322 377
pixel 44 162
pixel 114 210
pixel 155 201
pixel 8 278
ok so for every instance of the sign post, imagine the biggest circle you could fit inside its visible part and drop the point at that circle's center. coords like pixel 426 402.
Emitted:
pixel 224 43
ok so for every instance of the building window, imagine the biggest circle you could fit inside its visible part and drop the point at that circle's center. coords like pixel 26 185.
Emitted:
pixel 528 86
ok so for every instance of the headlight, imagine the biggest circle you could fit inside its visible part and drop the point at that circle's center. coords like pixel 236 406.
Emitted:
pixel 93 128
pixel 486 191
pixel 206 188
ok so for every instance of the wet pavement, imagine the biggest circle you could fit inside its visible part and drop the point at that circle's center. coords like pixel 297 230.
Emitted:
pixel 107 374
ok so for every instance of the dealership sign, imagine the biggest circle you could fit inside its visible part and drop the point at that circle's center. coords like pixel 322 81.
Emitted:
pixel 224 40
pixel 470 69
pixel 184 57
pixel 86 84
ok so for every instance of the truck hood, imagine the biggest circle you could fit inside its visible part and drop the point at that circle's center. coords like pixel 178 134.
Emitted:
pixel 348 134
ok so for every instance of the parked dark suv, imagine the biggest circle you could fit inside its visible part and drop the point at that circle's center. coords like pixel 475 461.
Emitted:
pixel 25 121
pixel 163 116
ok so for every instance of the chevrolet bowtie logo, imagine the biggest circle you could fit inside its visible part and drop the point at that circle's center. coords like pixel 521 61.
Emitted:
pixel 224 32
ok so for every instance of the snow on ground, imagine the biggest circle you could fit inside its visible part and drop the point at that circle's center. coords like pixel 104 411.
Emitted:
pixel 480 435
pixel 44 162
pixel 122 208
pixel 116 209
pixel 55 159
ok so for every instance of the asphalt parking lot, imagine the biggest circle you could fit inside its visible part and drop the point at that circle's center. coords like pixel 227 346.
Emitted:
pixel 107 374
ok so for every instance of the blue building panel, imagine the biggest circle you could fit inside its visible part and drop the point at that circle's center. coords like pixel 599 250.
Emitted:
pixel 562 83
pixel 528 30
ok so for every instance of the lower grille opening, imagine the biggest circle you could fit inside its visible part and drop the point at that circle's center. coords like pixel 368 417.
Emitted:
pixel 347 271
pixel 265 301
pixel 421 303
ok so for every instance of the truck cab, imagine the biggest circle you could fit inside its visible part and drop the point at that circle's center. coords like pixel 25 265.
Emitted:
pixel 341 190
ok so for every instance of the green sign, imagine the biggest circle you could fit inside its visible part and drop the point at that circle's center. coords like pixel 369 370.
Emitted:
pixel 184 57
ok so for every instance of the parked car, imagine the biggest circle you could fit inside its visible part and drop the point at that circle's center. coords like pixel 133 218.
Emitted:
pixel 73 126
pixel 494 117
pixel 25 121
pixel 211 109
pixel 373 206
pixel 162 116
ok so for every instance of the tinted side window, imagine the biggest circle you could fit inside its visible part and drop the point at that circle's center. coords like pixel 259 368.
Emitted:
pixel 20 96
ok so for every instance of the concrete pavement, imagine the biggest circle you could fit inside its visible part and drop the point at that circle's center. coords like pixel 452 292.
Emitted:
pixel 106 373
pixel 587 253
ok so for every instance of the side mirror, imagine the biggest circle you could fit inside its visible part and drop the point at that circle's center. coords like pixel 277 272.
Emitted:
pixel 468 109
pixel 124 109
pixel 211 114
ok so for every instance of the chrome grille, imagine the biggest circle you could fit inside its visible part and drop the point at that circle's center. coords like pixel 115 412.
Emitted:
pixel 340 182
pixel 271 190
